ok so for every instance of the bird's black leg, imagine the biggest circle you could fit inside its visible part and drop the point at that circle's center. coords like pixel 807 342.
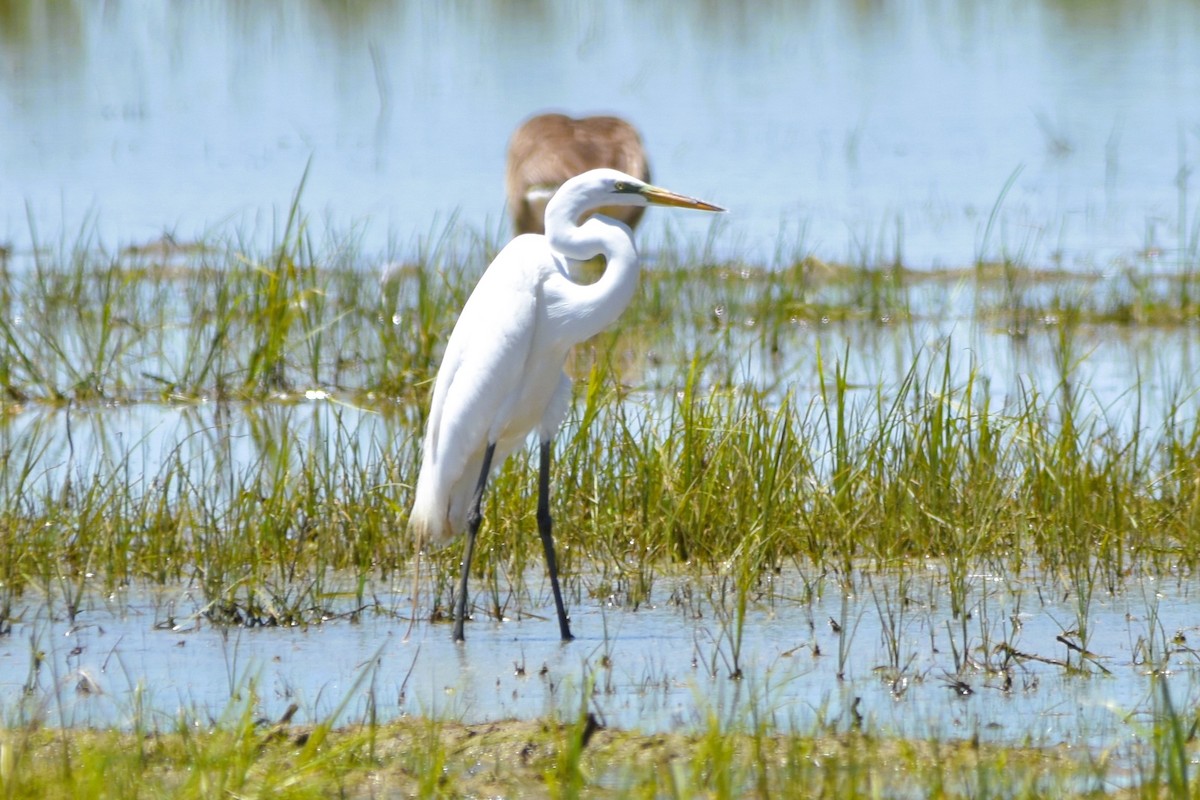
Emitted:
pixel 474 518
pixel 544 524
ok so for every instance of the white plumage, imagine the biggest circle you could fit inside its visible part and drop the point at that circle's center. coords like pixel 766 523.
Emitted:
pixel 501 376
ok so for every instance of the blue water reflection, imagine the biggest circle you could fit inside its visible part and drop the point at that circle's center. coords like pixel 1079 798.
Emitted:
pixel 812 658
pixel 856 132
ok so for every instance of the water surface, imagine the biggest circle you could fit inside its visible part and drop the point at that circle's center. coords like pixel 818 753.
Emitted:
pixel 855 132
pixel 852 132
pixel 879 653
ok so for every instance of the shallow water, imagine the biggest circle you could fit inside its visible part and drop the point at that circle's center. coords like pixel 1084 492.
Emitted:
pixel 857 132
pixel 853 132
pixel 151 655
pixel 892 668
pixel 1120 382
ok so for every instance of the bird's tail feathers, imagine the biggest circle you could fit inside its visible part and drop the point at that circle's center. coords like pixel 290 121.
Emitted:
pixel 429 522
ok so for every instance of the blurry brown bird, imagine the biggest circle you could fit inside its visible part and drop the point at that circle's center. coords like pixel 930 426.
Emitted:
pixel 549 149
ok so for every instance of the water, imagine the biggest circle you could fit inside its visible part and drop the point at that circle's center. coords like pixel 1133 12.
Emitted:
pixel 1125 383
pixel 850 131
pixel 151 654
pixel 892 666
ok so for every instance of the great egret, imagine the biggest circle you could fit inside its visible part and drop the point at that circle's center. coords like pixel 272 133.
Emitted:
pixel 502 375
pixel 550 148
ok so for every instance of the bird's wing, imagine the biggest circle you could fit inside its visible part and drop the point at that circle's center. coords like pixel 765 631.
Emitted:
pixel 483 365
pixel 550 148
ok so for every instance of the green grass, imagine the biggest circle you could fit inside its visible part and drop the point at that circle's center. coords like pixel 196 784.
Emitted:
pixel 719 422
pixel 724 431
pixel 553 757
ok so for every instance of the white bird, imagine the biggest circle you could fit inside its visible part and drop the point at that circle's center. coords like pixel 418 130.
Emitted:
pixel 548 149
pixel 502 375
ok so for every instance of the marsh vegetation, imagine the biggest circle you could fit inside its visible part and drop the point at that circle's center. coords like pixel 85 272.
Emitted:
pixel 886 487
pixel 975 469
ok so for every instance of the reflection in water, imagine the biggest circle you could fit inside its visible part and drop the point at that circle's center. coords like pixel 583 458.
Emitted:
pixel 1127 383
pixel 812 652
pixel 868 131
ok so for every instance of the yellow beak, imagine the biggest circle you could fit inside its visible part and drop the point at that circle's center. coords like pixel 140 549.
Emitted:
pixel 664 197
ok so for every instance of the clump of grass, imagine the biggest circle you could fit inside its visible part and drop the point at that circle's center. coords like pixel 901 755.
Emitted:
pixel 720 428
pixel 216 321
pixel 242 755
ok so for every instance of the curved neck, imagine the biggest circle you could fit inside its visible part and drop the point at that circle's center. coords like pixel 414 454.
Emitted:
pixel 590 308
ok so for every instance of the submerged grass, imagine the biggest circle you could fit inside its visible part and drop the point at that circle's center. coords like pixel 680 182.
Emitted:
pixel 249 425
pixel 721 425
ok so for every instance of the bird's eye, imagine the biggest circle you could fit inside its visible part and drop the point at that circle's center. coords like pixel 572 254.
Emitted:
pixel 620 186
